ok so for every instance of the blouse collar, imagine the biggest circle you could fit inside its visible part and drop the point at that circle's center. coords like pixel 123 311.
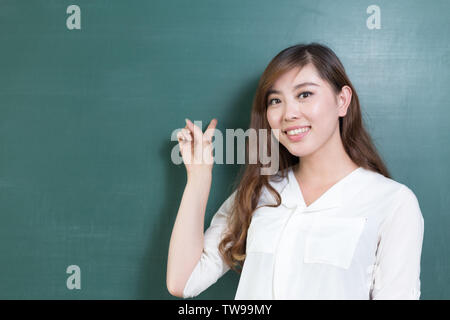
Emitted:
pixel 291 195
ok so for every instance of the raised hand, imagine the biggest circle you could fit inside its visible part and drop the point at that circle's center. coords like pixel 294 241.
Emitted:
pixel 196 147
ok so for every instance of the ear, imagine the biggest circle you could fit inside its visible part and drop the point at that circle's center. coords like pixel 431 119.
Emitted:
pixel 343 100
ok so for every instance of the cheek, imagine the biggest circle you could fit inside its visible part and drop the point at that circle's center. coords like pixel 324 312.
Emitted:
pixel 274 118
pixel 322 114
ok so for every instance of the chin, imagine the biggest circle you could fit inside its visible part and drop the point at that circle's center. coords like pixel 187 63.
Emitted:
pixel 298 151
pixel 299 154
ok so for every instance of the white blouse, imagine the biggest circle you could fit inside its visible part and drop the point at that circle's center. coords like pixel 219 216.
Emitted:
pixel 362 239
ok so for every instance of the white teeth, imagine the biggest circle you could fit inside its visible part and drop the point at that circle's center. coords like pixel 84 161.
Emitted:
pixel 297 131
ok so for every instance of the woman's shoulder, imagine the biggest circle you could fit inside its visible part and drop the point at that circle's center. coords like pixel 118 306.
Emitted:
pixel 386 187
pixel 400 203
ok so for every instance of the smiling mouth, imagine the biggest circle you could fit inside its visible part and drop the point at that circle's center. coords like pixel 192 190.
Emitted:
pixel 297 131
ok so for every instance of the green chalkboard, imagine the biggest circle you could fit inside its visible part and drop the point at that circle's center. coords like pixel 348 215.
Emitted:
pixel 88 106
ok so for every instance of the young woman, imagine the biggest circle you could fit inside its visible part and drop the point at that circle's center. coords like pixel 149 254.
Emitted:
pixel 331 224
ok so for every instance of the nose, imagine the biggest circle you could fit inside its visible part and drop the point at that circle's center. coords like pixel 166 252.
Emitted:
pixel 292 111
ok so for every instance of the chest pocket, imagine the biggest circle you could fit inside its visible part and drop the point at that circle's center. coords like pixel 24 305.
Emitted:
pixel 265 228
pixel 333 240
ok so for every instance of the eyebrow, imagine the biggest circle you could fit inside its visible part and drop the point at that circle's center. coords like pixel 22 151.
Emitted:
pixel 294 88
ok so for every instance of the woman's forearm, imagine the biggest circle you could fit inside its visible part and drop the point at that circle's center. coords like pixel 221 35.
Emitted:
pixel 186 242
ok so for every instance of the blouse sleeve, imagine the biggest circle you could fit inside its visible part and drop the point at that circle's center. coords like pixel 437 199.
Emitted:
pixel 211 266
pixel 397 268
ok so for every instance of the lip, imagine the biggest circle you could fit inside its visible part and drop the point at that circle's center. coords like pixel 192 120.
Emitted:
pixel 299 136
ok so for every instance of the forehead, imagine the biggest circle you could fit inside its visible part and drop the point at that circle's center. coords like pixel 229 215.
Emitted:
pixel 298 75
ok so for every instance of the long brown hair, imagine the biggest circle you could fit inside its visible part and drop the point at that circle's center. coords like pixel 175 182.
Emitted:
pixel 250 182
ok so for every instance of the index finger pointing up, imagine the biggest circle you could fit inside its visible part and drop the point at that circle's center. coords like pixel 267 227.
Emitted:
pixel 210 130
pixel 197 132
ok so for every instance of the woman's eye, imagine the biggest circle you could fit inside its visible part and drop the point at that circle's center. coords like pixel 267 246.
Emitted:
pixel 270 101
pixel 306 92
pixel 303 93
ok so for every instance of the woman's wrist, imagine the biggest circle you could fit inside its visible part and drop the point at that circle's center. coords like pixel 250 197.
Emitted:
pixel 201 174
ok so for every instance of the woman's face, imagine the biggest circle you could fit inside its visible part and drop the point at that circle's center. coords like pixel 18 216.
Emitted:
pixel 314 105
